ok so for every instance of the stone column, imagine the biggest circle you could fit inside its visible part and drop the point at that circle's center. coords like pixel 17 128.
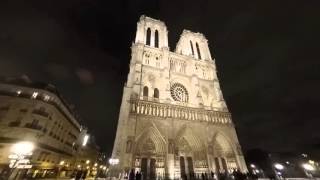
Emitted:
pixel 169 171
pixel 186 165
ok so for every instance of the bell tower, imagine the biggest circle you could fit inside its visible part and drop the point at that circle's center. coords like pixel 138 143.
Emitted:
pixel 194 45
pixel 152 32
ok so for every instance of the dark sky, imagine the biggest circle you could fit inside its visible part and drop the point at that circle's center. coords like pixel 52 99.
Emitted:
pixel 267 55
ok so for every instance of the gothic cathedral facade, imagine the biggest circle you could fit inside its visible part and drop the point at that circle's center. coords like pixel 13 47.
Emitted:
pixel 173 119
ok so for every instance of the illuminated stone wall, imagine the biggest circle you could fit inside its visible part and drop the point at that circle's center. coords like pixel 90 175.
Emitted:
pixel 173 119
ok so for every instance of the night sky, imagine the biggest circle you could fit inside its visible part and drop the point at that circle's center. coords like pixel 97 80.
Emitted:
pixel 267 56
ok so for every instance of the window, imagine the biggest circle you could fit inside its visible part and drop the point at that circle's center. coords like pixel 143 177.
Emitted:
pixel 156 93
pixel 34 95
pixel 156 39
pixel 192 51
pixel 148 36
pixel 179 92
pixel 145 91
pixel 35 122
pixel 198 51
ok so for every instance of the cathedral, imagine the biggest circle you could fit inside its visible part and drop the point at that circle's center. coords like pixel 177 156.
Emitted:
pixel 173 120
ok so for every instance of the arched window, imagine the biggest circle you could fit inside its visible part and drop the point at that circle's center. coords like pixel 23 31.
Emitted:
pixel 156 39
pixel 192 48
pixel 156 93
pixel 145 91
pixel 148 36
pixel 198 51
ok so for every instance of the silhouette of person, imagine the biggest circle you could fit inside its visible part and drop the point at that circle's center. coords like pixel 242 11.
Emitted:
pixel 131 175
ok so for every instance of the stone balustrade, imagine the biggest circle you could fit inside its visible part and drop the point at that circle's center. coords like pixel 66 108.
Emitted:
pixel 151 108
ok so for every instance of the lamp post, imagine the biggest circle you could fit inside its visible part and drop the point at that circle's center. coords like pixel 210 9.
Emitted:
pixel 19 153
pixel 113 162
pixel 278 170
pixel 307 169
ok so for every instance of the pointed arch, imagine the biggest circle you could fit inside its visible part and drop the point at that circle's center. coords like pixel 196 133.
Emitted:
pixel 198 50
pixel 185 134
pixel 156 39
pixel 148 36
pixel 220 140
pixel 151 140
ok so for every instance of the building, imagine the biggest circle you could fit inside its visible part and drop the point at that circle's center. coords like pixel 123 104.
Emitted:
pixel 173 119
pixel 282 164
pixel 88 155
pixel 37 113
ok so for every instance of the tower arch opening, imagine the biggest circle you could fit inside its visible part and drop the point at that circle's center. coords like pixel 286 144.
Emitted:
pixel 198 50
pixel 156 39
pixel 148 37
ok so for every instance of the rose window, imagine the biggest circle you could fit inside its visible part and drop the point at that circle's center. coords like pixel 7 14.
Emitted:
pixel 179 92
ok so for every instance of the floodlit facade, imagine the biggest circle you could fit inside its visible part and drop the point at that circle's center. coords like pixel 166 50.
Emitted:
pixel 37 113
pixel 173 119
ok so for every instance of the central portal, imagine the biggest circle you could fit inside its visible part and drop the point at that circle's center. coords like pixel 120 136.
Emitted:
pixel 186 167
pixel 148 168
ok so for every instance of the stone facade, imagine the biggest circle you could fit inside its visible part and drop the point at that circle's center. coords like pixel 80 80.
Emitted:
pixel 173 119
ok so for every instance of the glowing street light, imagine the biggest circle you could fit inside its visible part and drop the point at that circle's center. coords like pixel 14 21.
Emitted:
pixel 252 166
pixel 23 148
pixel 19 151
pixel 113 161
pixel 279 166
pixel 85 140
pixel 308 167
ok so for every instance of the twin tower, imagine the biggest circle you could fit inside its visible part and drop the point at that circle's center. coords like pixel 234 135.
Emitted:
pixel 173 120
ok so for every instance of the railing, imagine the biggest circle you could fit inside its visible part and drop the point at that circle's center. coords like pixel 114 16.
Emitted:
pixel 150 108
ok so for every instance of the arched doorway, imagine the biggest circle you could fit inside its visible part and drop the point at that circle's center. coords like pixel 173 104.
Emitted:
pixel 224 154
pixel 149 156
pixel 190 153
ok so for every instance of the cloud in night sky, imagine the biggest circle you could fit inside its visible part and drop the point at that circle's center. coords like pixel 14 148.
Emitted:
pixel 85 76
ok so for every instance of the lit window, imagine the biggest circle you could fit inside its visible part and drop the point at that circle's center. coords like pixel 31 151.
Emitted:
pixel 34 95
pixel 46 97
pixel 85 140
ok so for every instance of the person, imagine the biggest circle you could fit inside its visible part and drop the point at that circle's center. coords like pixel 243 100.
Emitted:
pixel 78 175
pixel 138 175
pixel 131 175
pixel 184 177
pixel 202 176
pixel 212 175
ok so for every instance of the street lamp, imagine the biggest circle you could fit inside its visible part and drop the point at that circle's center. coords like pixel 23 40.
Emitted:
pixel 279 166
pixel 19 151
pixel 113 161
pixel 308 167
pixel 23 148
